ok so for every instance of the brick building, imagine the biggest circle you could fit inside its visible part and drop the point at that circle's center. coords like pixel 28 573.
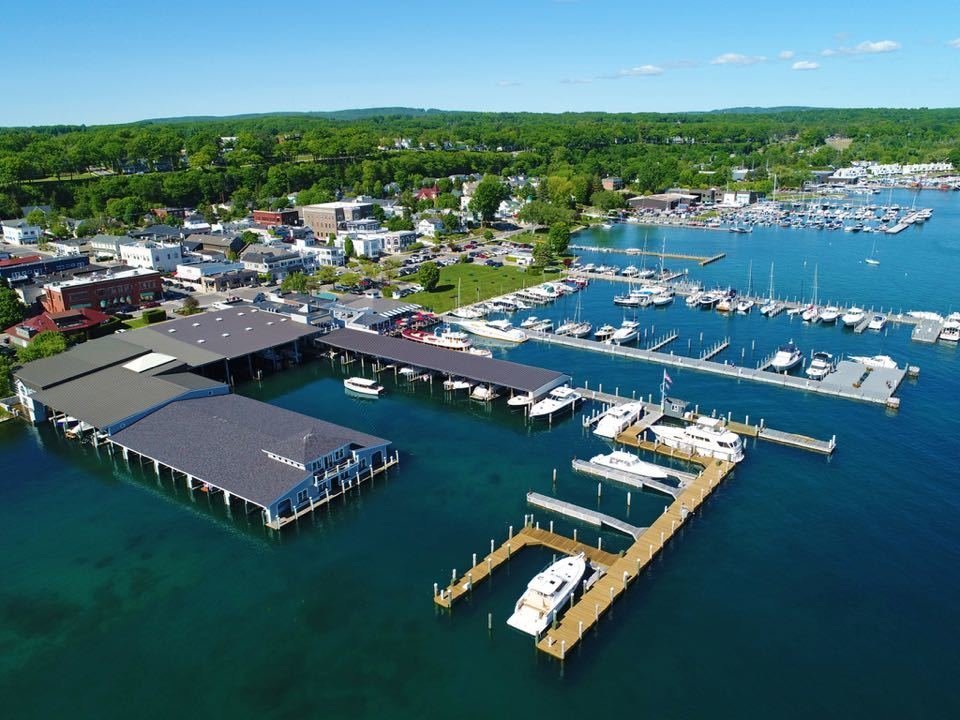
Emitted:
pixel 103 291
pixel 276 217
pixel 326 218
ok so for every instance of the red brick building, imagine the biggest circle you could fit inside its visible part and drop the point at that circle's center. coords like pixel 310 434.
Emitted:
pixel 86 322
pixel 276 217
pixel 103 291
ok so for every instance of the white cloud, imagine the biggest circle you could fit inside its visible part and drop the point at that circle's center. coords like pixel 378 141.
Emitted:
pixel 737 59
pixel 641 70
pixel 804 65
pixel 786 54
pixel 955 43
pixel 576 81
pixel 508 83
pixel 867 47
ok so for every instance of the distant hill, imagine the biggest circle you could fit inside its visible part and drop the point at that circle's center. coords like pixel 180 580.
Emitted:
pixel 762 110
pixel 350 114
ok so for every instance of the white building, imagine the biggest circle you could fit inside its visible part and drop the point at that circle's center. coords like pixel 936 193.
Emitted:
pixel 20 232
pixel 195 272
pixel 430 227
pixel 315 255
pixel 368 245
pixel 398 241
pixel 163 257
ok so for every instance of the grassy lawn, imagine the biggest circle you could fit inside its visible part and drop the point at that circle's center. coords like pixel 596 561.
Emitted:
pixel 490 281
pixel 134 323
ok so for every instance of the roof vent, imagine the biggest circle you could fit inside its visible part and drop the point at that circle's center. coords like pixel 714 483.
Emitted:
pixel 196 324
pixel 172 330
pixel 269 322
pixel 219 319
pixel 225 335
pixel 283 319
pixel 240 314
pixel 201 341
pixel 249 329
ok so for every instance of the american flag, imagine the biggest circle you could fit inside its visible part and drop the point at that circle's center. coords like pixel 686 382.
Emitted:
pixel 666 378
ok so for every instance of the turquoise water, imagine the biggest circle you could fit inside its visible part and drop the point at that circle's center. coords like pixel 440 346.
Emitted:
pixel 806 584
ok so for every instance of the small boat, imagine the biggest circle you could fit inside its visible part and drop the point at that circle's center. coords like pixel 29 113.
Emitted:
pixel 707 437
pixel 580 330
pixel 617 419
pixel 484 393
pixel 449 339
pixel 542 326
pixel 875 362
pixel 744 306
pixel 829 314
pixel 693 298
pixel 630 463
pixel 627 332
pixel 786 358
pixel 877 322
pixel 708 300
pixel 821 364
pixel 530 322
pixel 725 304
pixel 481 352
pixel 872 261
pixel 853 317
pixel 951 331
pixel 630 300
pixel 363 386
pixel 770 308
pixel 545 595
pixel 662 299
pixel 517 401
pixel 556 400
pixel 810 314
pixel 604 332
pixel 455 385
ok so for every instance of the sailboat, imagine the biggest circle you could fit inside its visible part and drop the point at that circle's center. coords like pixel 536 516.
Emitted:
pixel 771 306
pixel 872 260
pixel 812 312
pixel 745 304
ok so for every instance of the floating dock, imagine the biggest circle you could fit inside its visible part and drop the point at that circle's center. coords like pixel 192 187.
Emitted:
pixel 577 512
pixel 927 331
pixel 625 478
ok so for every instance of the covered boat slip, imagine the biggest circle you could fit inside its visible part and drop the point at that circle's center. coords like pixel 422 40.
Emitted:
pixel 532 380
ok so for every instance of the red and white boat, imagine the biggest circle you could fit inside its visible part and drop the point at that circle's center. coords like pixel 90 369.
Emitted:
pixel 449 339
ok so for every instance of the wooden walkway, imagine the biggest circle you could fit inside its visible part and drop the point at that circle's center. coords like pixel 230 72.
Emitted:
pixel 528 536
pixel 663 341
pixel 577 512
pixel 624 478
pixel 586 612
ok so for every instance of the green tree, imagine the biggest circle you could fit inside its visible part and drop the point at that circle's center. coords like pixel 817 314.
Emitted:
pixel 325 274
pixel 542 254
pixel 295 282
pixel 348 249
pixel 488 234
pixel 487 197
pixel 607 200
pixel 43 345
pixel 190 305
pixel 12 311
pixel 541 212
pixel 395 224
pixel 37 217
pixel 6 376
pixel 349 279
pixel 429 276
pixel 559 238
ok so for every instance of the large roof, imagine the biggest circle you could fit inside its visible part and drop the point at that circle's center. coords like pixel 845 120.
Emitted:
pixel 502 373
pixel 214 336
pixel 81 360
pixel 115 394
pixel 224 441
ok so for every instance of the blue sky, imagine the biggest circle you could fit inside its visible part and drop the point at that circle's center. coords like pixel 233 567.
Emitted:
pixel 102 62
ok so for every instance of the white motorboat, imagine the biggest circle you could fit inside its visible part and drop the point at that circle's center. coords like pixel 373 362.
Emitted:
pixel 363 386
pixel 810 314
pixel 786 358
pixel 545 595
pixel 950 331
pixel 617 419
pixel 517 401
pixel 630 463
pixel 580 330
pixel 877 322
pixel 744 306
pixel 829 314
pixel 875 362
pixel 707 437
pixel 495 330
pixel 853 317
pixel 662 299
pixel 482 352
pixel 770 308
pixel 542 326
pixel 556 401
pixel 484 393
pixel 456 385
pixel 725 304
pixel 604 332
pixel 446 338
pixel 627 332
pixel 821 365
pixel 530 322
pixel 693 298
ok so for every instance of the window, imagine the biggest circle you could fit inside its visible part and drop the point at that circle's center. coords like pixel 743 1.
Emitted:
pixel 301 497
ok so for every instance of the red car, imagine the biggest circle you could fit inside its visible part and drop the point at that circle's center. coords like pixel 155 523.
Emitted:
pixel 151 304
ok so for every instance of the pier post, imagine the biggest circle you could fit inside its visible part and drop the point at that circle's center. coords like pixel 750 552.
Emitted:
pixel 435 589
pixel 628 498
pixel 551 526
pixel 510 533
pixel 491 544
pixel 599 543
pixel 453 575
pixel 626 576
pixel 574 534
pixel 489 622
pixel 474 563
pixel 227 496
pixel 580 631
pixel 650 554
pixel 599 490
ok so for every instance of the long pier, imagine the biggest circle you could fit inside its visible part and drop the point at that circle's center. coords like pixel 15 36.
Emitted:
pixel 701 259
pixel 577 512
pixel 624 478
pixel 848 382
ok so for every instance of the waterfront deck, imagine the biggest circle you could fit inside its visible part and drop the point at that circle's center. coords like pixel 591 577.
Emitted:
pixel 587 515
pixel 927 331
pixel 701 259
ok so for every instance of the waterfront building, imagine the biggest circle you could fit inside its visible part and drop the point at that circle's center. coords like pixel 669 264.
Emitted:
pixel 103 290
pixel 151 255
pixel 20 232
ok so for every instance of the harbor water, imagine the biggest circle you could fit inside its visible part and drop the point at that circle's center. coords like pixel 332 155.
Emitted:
pixel 806 585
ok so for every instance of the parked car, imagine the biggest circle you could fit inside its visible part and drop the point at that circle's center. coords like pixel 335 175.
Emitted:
pixel 151 304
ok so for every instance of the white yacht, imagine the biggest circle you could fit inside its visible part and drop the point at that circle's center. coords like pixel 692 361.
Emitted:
pixel 484 393
pixel 627 332
pixel 875 362
pixel 604 332
pixel 745 305
pixel 821 365
pixel 853 317
pixel 530 322
pixel 630 463
pixel 707 437
pixel 446 338
pixel 950 331
pixel 770 308
pixel 693 298
pixel 810 314
pixel 662 299
pixel 580 330
pixel 363 386
pixel 455 385
pixel 877 322
pixel 786 358
pixel 829 314
pixel 495 330
pixel 557 400
pixel 545 594
pixel 617 419
pixel 542 325
pixel 516 401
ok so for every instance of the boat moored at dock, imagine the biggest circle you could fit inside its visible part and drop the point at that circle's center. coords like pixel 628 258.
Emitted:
pixel 363 386
pixel 707 437
pixel 617 419
pixel 545 595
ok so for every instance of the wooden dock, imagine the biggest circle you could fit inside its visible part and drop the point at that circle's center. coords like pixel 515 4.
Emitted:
pixel 577 512
pixel 927 331
pixel 712 352
pixel 701 259
pixel 624 478
pixel 662 342
pixel 528 536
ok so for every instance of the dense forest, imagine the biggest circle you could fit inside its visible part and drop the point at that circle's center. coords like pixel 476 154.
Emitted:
pixel 118 172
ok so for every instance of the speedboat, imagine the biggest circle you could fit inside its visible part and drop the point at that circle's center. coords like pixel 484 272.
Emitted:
pixel 853 317
pixel 829 314
pixel 556 400
pixel 877 322
pixel 875 362
pixel 604 332
pixel 744 306
pixel 545 595
pixel 484 393
pixel 821 364
pixel 950 331
pixel 627 332
pixel 630 300
pixel 630 463
pixel 363 386
pixel 480 352
pixel 662 299
pixel 786 358
pixel 518 401
pixel 810 314
pixel 693 298
pixel 617 419
pixel 449 339
pixel 707 437
pixel 708 300
pixel 495 330
pixel 725 304
pixel 530 322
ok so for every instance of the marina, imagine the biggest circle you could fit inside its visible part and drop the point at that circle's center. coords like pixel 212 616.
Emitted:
pixel 670 256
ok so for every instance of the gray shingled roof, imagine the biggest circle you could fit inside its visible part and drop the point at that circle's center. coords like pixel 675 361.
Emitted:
pixel 114 394
pixel 221 440
pixel 502 373
pixel 224 334
pixel 83 359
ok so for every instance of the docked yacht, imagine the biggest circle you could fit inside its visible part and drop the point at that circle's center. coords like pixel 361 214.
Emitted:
pixel 853 317
pixel 604 332
pixel 557 400
pixel 875 362
pixel 630 463
pixel 829 314
pixel 545 595
pixel 495 330
pixel 456 385
pixel 810 314
pixel 744 306
pixel 708 300
pixel 771 308
pixel 542 325
pixel 530 322
pixel 363 386
pixel 518 401
pixel 693 298
pixel 707 437
pixel 483 393
pixel 877 322
pixel 662 299
pixel 580 330
pixel 627 332
pixel 821 365
pixel 449 339
pixel 950 331
pixel 786 358
pixel 617 419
